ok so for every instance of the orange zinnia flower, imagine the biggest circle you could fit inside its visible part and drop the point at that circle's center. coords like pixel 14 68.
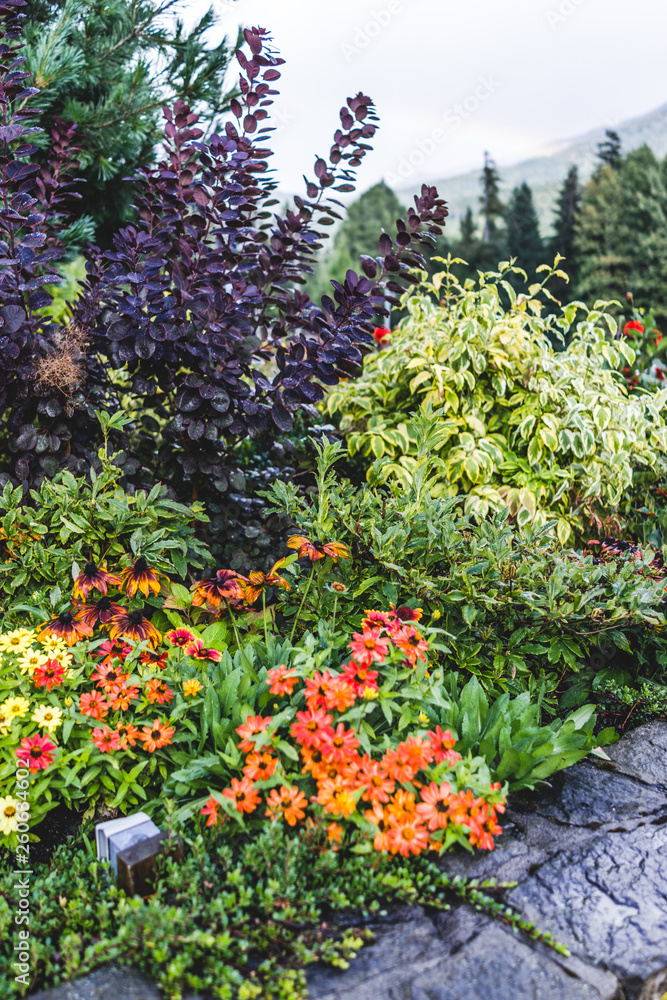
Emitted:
pixel 93 577
pixel 253 725
pixel 341 694
pixel 377 817
pixel 140 577
pixel 334 833
pixel 411 643
pixel 318 550
pixel 121 697
pixel 442 743
pixel 316 689
pixel 416 752
pixel 243 795
pixel 340 744
pixel 407 835
pixel 400 770
pixel 128 735
pixel 156 736
pixel 212 810
pixel 336 797
pixel 434 806
pixel 312 727
pixel 282 681
pixel 158 691
pixel 290 801
pixel 372 777
pixel 108 677
pixel 94 704
pixel 260 766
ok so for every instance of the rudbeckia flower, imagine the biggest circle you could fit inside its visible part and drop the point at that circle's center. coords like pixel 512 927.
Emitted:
pixel 94 577
pixel 156 736
pixel 98 612
pixel 133 625
pixel 36 752
pixel 47 717
pixel 224 586
pixel 258 581
pixel 139 577
pixel 66 626
pixel 318 550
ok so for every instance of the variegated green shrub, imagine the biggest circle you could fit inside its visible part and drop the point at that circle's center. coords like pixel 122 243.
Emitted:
pixel 548 431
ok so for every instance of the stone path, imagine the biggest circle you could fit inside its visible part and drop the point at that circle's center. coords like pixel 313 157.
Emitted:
pixel 590 860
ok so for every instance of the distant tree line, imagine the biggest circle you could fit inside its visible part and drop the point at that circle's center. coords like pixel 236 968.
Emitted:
pixel 612 231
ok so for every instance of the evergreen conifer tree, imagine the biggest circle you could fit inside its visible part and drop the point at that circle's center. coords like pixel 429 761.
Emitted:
pixel 110 66
pixel 562 241
pixel 523 230
pixel 609 151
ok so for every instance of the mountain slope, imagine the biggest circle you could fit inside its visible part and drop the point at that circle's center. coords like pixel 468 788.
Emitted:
pixel 545 174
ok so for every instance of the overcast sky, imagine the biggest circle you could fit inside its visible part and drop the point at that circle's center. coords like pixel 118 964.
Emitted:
pixel 451 78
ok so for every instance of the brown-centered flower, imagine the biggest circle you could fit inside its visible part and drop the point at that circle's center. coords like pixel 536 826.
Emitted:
pixel 67 626
pixel 318 550
pixel 94 577
pixel 224 586
pixel 258 581
pixel 141 577
pixel 133 625
pixel 98 612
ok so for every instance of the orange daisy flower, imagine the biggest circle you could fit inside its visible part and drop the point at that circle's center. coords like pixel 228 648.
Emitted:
pixel 243 795
pixel 377 817
pixel 318 550
pixel 334 833
pixel 311 727
pixel 336 797
pixel 94 704
pixel 372 777
pixel 369 646
pixel 434 805
pixel 316 689
pixel 122 697
pixel 212 810
pixel 282 681
pixel 289 801
pixel 341 694
pixel 260 766
pixel 156 736
pixel 159 692
pixel 341 744
pixel 410 641
pixel 407 835
pixel 442 743
pixel 400 770
pixel 253 725
pixel 416 752
pixel 127 735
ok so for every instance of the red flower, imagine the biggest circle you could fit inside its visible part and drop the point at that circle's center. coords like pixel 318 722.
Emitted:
pixel 109 678
pixel 312 727
pixel 36 752
pixel 243 795
pixel 94 704
pixel 631 326
pixel 282 681
pixel 253 725
pixel 154 659
pixel 50 674
pixel 360 677
pixel 369 647
pixel 197 651
pixel 212 810
pixel 156 736
pixel 411 643
pixel 381 334
pixel 106 739
pixel 442 744
pixel 112 650
pixel 180 637
pixel 340 744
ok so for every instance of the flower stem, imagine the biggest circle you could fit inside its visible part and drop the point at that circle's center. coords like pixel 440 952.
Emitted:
pixel 231 615
pixel 333 620
pixel 303 599
pixel 266 634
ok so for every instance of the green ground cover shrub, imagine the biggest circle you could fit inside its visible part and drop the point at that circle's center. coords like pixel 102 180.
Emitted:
pixel 548 432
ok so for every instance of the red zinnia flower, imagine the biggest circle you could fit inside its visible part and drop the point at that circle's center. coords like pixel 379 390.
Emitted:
pixel 253 725
pixel 106 739
pixel 340 744
pixel 180 636
pixel 442 744
pixel 282 680
pixel 311 727
pixel 50 674
pixel 369 646
pixel 36 752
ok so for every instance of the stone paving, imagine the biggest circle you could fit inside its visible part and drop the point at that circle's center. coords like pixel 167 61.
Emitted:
pixel 590 860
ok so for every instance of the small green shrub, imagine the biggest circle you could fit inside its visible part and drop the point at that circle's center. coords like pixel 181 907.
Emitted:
pixel 549 433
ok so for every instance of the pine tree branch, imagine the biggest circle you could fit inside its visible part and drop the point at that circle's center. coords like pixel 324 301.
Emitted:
pixel 138 28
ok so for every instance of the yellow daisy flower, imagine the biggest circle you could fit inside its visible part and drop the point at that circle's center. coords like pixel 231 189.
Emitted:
pixel 63 658
pixel 10 810
pixel 48 717
pixel 52 645
pixel 18 641
pixel 15 708
pixel 31 659
pixel 192 687
pixel 5 721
